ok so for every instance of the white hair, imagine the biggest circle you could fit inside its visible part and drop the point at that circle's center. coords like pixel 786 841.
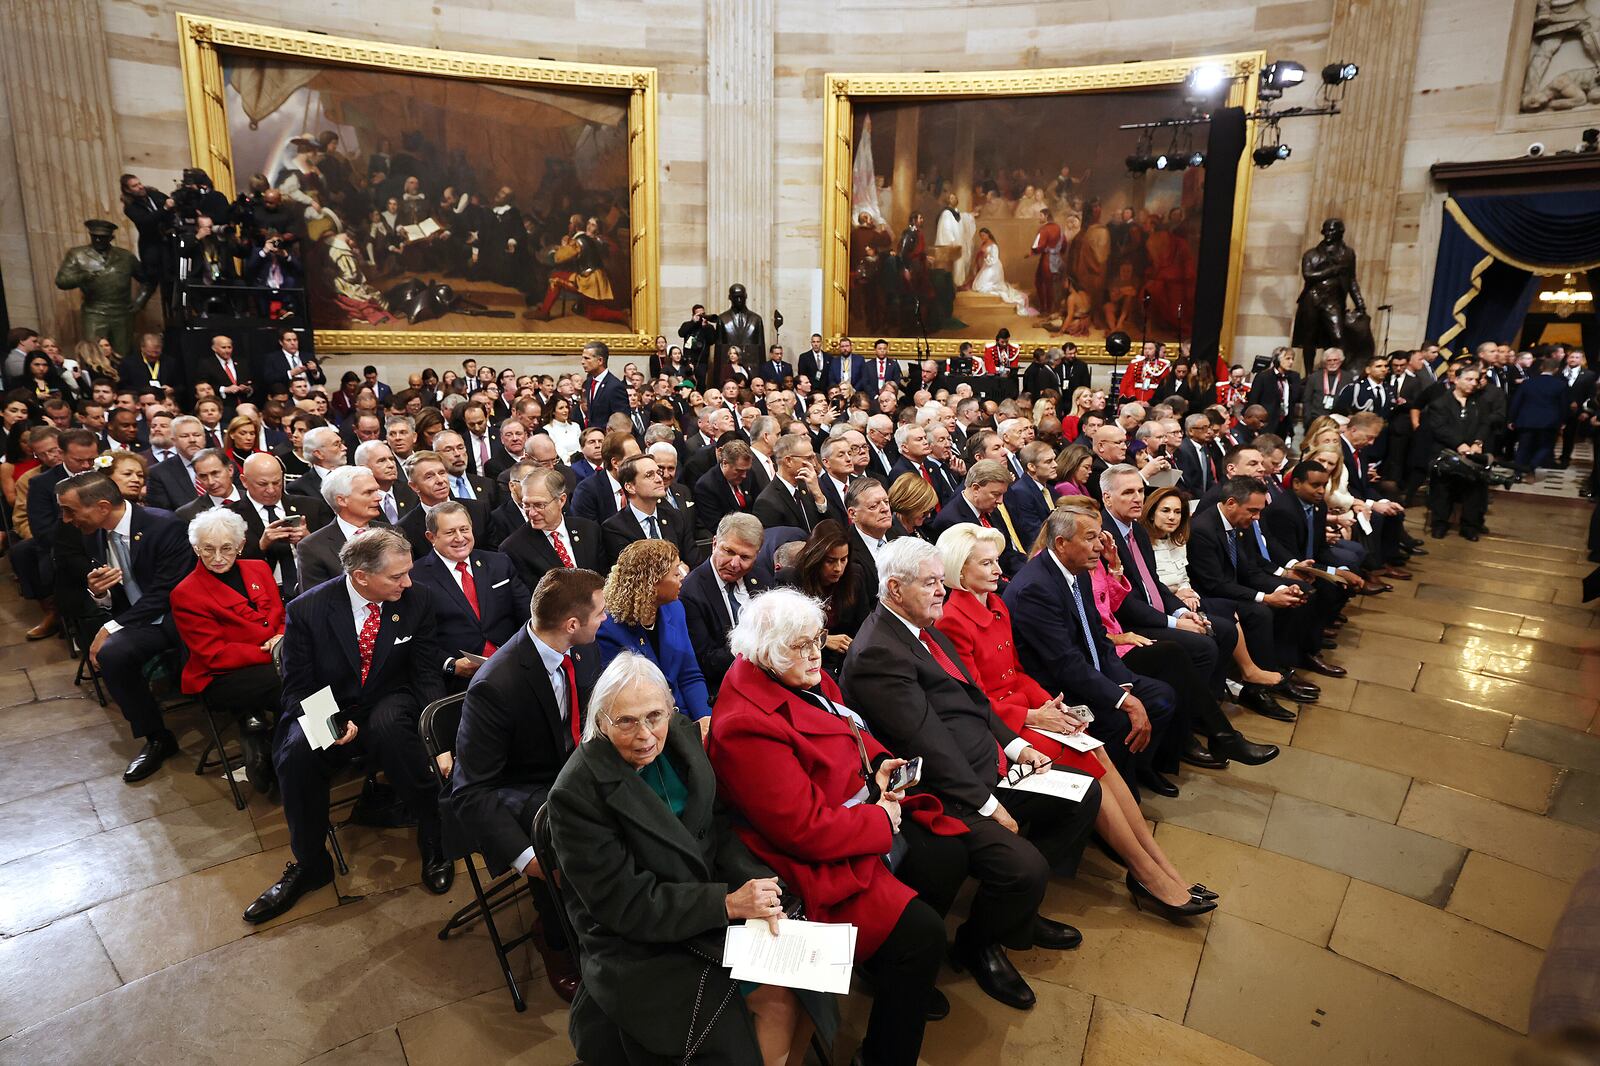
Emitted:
pixel 369 448
pixel 184 420
pixel 626 670
pixel 663 448
pixel 905 430
pixel 901 560
pixel 341 481
pixel 1007 425
pixel 216 520
pixel 771 622
pixel 316 438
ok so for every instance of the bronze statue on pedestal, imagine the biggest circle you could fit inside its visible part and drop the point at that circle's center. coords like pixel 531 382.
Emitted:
pixel 1322 318
pixel 741 328
pixel 104 272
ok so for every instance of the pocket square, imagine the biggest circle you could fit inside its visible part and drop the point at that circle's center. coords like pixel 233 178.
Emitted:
pixel 400 640
pixel 501 584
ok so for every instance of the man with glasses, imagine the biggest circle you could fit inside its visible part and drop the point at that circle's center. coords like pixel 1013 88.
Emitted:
pixel 548 539
pixel 718 589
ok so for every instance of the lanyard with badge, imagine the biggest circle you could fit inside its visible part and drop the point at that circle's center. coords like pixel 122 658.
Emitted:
pixel 898 847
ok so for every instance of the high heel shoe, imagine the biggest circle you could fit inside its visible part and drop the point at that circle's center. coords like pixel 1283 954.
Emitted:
pixel 1172 913
pixel 1199 891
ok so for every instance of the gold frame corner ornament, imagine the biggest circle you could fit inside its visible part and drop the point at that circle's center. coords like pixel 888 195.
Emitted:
pixel 841 90
pixel 202 39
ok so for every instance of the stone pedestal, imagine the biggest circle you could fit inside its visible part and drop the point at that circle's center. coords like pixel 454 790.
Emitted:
pixel 739 155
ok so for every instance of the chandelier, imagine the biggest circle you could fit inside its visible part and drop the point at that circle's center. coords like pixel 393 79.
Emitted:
pixel 1569 298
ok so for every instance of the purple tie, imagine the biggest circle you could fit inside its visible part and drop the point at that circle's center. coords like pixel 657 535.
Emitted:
pixel 1152 591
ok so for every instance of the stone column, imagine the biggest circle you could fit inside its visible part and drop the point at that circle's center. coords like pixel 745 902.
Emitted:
pixel 1357 173
pixel 740 153
pixel 59 95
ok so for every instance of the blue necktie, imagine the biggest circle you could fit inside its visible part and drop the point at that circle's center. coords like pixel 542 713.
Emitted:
pixel 1261 540
pixel 1083 620
pixel 463 487
pixel 1233 548
pixel 1311 531
pixel 119 547
pixel 655 530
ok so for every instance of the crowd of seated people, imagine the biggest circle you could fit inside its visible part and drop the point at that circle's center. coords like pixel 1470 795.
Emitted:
pixel 703 624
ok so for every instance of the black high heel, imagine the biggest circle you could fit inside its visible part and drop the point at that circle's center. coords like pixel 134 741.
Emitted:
pixel 1175 914
pixel 1199 891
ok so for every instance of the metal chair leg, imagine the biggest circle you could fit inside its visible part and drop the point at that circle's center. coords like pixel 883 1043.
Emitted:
pixel 338 852
pixel 203 764
pixel 494 938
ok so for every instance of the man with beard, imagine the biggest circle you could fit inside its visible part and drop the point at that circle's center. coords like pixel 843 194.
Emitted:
pixel 501 241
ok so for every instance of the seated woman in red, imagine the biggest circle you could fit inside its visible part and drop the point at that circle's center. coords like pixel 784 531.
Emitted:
pixel 811 785
pixel 979 625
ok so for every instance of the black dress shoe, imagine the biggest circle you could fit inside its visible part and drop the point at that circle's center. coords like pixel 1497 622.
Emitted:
pixel 1195 754
pixel 1199 891
pixel 295 882
pixel 1143 897
pixel 1342 619
pixel 994 973
pixel 1057 936
pixel 938 1007
pixel 1156 783
pixel 257 751
pixel 438 872
pixel 1297 690
pixel 1234 746
pixel 1319 665
pixel 1469 534
pixel 1418 550
pixel 158 748
pixel 256 723
pixel 1440 532
pixel 1259 700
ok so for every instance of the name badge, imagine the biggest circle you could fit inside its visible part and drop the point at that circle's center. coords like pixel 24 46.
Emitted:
pixel 1327 403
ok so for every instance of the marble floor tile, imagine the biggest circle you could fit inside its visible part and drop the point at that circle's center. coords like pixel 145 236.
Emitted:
pixel 66 758
pixel 141 937
pixel 1526 584
pixel 375 1049
pixel 42 821
pixel 1133 958
pixel 1373 666
pixel 1555 744
pixel 34 653
pixel 1433 713
pixel 1578 635
pixel 56 680
pixel 1294 1004
pixel 1444 612
pixel 1542 844
pixel 1528 608
pixel 487 1029
pixel 1258 728
pixel 15 690
pixel 1381 625
pixel 76 876
pixel 1484 971
pixel 1337 782
pixel 1502 775
pixel 1510 696
pixel 1218 804
pixel 1258 885
pixel 1397 858
pixel 47 971
pixel 977 1034
pixel 1545 676
pixel 1337 692
pixel 1504 896
pixel 172 789
pixel 1577 800
pixel 1122 1036
pixel 1539 651
pixel 34 721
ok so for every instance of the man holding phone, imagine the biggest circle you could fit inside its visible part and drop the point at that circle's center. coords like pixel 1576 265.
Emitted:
pixel 274 524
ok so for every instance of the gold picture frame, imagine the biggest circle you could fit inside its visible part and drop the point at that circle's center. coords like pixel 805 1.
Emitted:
pixel 844 91
pixel 202 41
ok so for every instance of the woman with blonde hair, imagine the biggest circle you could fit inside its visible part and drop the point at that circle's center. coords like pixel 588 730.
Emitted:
pixel 1076 408
pixel 913 502
pixel 644 616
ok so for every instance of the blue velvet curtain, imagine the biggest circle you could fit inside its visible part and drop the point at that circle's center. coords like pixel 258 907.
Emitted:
pixel 1491 249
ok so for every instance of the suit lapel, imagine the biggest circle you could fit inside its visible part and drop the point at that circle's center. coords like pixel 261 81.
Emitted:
pixel 436 566
pixel 539 681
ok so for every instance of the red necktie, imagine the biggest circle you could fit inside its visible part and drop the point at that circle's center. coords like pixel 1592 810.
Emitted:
pixel 594 386
pixel 233 379
pixel 368 638
pixel 572 699
pixel 924 472
pixel 469 587
pixel 738 497
pixel 984 519
pixel 199 489
pixel 939 656
pixel 561 548
pixel 880 371
pixel 483 451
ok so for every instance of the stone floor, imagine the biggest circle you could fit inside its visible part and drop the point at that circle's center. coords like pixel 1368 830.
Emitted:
pixel 1389 883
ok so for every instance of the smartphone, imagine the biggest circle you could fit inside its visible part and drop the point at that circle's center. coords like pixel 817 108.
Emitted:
pixel 906 776
pixel 292 520
pixel 1081 712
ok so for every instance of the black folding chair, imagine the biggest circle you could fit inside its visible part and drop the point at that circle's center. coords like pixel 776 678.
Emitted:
pixel 438 725
pixel 223 760
pixel 72 628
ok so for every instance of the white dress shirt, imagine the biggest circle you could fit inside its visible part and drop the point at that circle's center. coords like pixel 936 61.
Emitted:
pixel 125 528
pixel 550 659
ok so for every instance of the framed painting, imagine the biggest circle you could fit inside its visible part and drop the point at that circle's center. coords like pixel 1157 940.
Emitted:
pixel 957 204
pixel 439 201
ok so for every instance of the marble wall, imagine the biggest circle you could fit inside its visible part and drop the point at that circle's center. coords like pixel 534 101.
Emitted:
pixel 1455 107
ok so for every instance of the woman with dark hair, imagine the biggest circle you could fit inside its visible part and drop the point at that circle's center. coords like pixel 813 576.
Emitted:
pixel 129 470
pixel 1200 386
pixel 344 401
pixel 41 377
pixel 430 423
pixel 825 572
pixel 1074 466
pixel 429 393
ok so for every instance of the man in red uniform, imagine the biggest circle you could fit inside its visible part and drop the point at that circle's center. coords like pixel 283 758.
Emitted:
pixel 1001 356
pixel 1048 246
pixel 1147 371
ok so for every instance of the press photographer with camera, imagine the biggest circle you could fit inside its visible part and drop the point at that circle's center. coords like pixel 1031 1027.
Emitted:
pixel 1460 474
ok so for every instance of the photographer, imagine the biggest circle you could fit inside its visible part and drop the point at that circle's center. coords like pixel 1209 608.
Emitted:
pixel 1460 473
pixel 274 266
pixel 699 335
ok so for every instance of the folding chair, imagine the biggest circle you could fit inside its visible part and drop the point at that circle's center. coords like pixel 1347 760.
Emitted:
pixel 70 626
pixel 223 761
pixel 438 728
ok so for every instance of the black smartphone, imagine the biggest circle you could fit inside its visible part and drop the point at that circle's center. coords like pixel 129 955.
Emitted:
pixel 906 776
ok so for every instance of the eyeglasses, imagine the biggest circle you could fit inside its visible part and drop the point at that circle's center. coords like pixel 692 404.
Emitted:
pixel 628 725
pixel 808 646
pixel 219 551
pixel 1021 771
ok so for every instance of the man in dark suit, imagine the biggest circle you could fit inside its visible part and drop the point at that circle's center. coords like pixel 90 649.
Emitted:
pixel 775 370
pixel 724 489
pixel 275 522
pixel 228 377
pixel 352 493
pixel 717 589
pixel 645 517
pixel 548 539
pixel 872 374
pixel 794 498
pixel 603 392
pixel 506 758
pixel 914 447
pixel 1063 646
pixel 1195 459
pixel 1030 499
pixel 1277 388
pixel 215 475
pixel 1073 372
pixel 479 600
pixel 1538 409
pixel 464 484
pixel 906 679
pixel 1295 523
pixel 1580 381
pixel 812 363
pixel 275 369
pixel 140 557
pixel 1324 385
pixel 323 449
pixel 430 485
pixel 982 501
pixel 367 635
pixel 148 364
pixel 600 495
pixel 881 455
pixel 171 482
pixel 871 527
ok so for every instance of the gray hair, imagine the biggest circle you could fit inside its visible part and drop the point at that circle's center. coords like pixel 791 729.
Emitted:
pixel 400 420
pixel 763 425
pixel 833 444
pixel 1199 418
pixel 901 560
pixel 1147 430
pixel 787 445
pixel 368 551
pixel 447 509
pixel 771 622
pixel 1108 476
pixel 341 481
pixel 216 520
pixel 627 669
pixel 184 420
pixel 1063 521
pixel 369 448
pixel 663 447
pixel 905 430
pixel 315 438
pixel 210 453
pixel 742 527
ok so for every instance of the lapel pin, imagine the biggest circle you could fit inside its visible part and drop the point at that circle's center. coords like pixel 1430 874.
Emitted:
pixel 394 618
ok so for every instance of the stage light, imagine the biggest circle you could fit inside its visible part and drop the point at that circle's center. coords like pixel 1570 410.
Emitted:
pixel 1165 161
pixel 1205 84
pixel 1269 154
pixel 1197 159
pixel 1276 77
pixel 1139 163
pixel 1339 73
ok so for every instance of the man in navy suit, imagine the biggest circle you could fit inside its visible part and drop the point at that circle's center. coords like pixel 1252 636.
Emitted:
pixel 548 539
pixel 1030 499
pixel 604 394
pixel 142 555
pixel 813 364
pixel 914 446
pixel 369 636
pixel 775 370
pixel 1196 460
pixel 718 589
pixel 726 487
pixel 1538 409
pixel 872 374
pixel 600 495
pixel 646 517
pixel 983 501
pixel 1063 646
pixel 478 599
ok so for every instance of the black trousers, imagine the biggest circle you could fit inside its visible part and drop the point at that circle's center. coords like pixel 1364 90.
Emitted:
pixel 1111 728
pixel 251 690
pixel 1184 666
pixel 1445 492
pixel 389 737
pixel 122 660
pixel 1211 653
pixel 1571 433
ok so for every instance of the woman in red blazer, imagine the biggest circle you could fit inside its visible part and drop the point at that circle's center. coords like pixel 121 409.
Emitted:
pixel 229 616
pixel 979 625
pixel 789 758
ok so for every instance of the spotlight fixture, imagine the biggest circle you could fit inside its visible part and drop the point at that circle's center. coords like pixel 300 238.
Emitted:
pixel 1138 164
pixel 1269 154
pixel 1205 84
pixel 1278 76
pixel 1339 73
pixel 1165 161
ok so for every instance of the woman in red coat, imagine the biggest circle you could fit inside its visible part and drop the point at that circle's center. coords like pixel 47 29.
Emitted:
pixel 811 785
pixel 979 625
pixel 229 616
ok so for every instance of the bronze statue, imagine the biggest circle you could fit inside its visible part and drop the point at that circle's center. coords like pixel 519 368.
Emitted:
pixel 1322 319
pixel 104 272
pixel 741 328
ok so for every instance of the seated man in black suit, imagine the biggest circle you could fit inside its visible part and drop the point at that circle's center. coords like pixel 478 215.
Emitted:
pixel 369 636
pixel 794 497
pixel 478 599
pixel 323 450
pixel 1196 459
pixel 600 495
pixel 550 540
pixel 905 678
pixel 451 448
pixel 274 522
pixel 982 500
pixel 1296 524
pixel 915 449
pixel 718 589
pixel 645 517
pixel 140 556
pixel 171 482
pixel 507 753
pixel 214 473
pixel 352 493
pixel 725 488
pixel 430 481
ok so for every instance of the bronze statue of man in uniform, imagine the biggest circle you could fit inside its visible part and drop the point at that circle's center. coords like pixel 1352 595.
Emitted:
pixel 104 272
pixel 1322 319
pixel 741 328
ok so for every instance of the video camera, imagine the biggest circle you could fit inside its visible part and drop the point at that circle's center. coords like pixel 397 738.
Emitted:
pixel 1451 464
